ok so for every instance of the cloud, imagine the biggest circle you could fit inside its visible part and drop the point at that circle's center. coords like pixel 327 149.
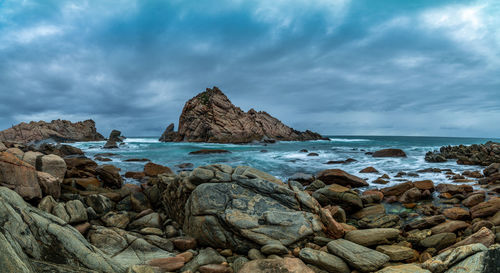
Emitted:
pixel 339 67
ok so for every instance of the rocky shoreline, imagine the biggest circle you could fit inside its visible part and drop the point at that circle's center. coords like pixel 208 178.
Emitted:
pixel 63 212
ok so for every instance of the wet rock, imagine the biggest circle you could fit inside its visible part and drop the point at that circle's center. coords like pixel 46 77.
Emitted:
pixel 397 190
pixel 152 169
pixel 456 213
pixel 368 170
pixel 110 176
pixel 411 196
pixel 473 200
pixel 389 153
pixel 336 176
pixel 486 209
pixel 424 185
pixel 357 256
pixel 209 151
pixel 184 243
pixel 302 178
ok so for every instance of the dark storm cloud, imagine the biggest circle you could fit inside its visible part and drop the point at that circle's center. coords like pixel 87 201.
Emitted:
pixel 338 67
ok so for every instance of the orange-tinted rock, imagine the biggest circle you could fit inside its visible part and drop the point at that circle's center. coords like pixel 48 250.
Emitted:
pixel 456 213
pixel 187 256
pixel 152 169
pixel 286 265
pixel 376 192
pixel 424 185
pixel 453 189
pixel 83 182
pixel 19 176
pixel 83 228
pixel 449 226
pixel 333 229
pixel 336 176
pixel 473 199
pixel 49 184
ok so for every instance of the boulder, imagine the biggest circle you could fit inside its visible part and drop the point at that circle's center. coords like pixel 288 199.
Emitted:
pixel 486 209
pixel 324 260
pixel 484 236
pixel 204 257
pixel 3 148
pixel 56 130
pixel 240 211
pixel 374 236
pixel 49 185
pixel 285 265
pixel 368 170
pixel 338 195
pixel 169 134
pixel 336 176
pixel 389 153
pixel 439 241
pixel 211 117
pixel 425 222
pixel 26 231
pixel 152 169
pixel 209 151
pixel 447 259
pixel 449 226
pixel 398 189
pixel 19 176
pixel 80 167
pixel 30 157
pixel 52 164
pixel 396 253
pixel 357 256
pixel 404 268
pixel 110 176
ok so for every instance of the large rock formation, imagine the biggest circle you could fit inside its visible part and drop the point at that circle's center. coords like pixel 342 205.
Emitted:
pixel 239 208
pixel 211 117
pixel 56 130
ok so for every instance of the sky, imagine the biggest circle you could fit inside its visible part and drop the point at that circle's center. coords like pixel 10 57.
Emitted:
pixel 339 67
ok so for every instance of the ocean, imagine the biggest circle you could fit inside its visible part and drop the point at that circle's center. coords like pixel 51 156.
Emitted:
pixel 283 159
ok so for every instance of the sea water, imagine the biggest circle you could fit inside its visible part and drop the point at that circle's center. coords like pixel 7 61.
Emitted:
pixel 284 158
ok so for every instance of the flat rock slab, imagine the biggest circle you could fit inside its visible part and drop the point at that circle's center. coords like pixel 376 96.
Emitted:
pixel 358 256
pixel 373 236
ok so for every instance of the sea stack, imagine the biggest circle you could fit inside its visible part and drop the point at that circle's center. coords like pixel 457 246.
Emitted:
pixel 211 117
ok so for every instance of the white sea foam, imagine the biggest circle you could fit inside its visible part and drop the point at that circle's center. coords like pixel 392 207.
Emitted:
pixel 349 139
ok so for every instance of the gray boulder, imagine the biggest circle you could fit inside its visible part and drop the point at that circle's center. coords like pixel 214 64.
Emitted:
pixel 323 260
pixel 357 256
pixel 240 209
pixel 31 239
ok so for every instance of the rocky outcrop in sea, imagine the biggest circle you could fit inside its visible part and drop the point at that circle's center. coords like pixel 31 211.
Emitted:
pixel 63 212
pixel 477 154
pixel 56 131
pixel 211 117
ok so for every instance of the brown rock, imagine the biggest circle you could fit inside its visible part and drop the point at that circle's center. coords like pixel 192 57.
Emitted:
pixel 211 117
pixel 187 256
pixel 152 169
pixel 333 229
pixel 397 190
pixel 389 153
pixel 184 243
pixel 286 265
pixel 19 176
pixel 80 167
pixel 410 196
pixel 484 236
pixel 449 226
pixel 336 176
pixel 473 200
pixel 368 170
pixel 456 213
pixel 424 185
pixel 135 175
pixel 49 185
pixel 58 130
pixel 110 176
pixel 453 189
pixel 168 264
pixel 486 209
pixel 83 182
pixel 169 134
pixel 83 228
